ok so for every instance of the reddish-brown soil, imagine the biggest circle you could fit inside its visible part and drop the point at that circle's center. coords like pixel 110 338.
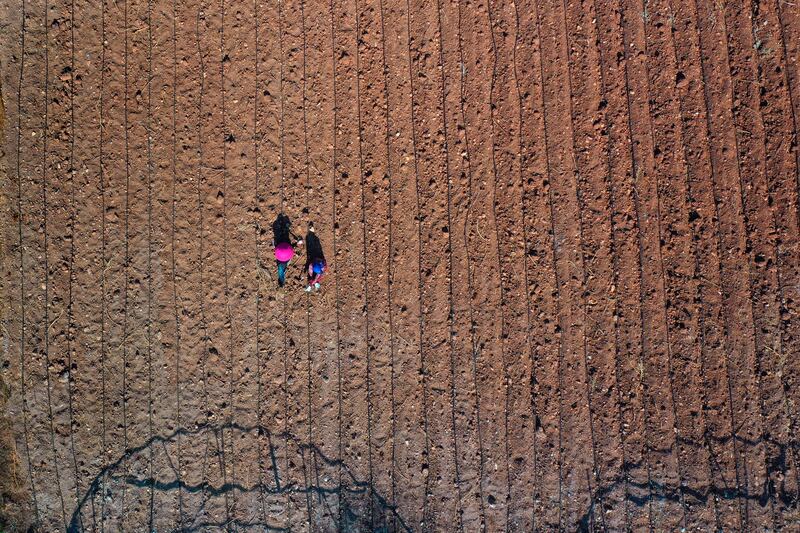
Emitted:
pixel 564 263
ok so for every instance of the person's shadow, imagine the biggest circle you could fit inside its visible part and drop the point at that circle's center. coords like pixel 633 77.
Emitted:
pixel 281 229
pixel 313 248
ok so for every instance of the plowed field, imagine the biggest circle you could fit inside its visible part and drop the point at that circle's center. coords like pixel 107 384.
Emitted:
pixel 563 250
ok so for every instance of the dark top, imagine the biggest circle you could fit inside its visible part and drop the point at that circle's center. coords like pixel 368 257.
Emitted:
pixel 313 248
pixel 282 230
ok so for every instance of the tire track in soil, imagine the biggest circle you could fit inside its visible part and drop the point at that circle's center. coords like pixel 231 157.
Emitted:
pixel 678 267
pixel 324 386
pixel 766 266
pixel 542 290
pixel 574 411
pixel 408 490
pixel 590 141
pixel 664 462
pixel 376 185
pixel 734 268
pixel 512 242
pixel 723 451
pixel 483 261
pixel 468 448
pixel 437 466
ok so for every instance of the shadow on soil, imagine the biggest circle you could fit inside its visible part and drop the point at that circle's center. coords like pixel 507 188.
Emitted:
pixel 362 507
pixel 641 495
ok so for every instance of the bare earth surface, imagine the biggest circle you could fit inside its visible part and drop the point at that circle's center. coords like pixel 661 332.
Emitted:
pixel 563 249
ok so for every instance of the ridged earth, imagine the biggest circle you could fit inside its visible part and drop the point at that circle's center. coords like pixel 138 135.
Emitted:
pixel 562 240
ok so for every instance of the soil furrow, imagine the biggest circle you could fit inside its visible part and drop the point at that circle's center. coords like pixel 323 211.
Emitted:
pixel 680 284
pixel 189 278
pixel 113 170
pixel 735 274
pixel 574 413
pixel 408 486
pixel 138 498
pixel 290 130
pixel 775 105
pixel 296 208
pixel 375 151
pixel 454 393
pixel 162 311
pixel 574 46
pixel 206 477
pixel 436 466
pixel 625 236
pixel 542 291
pixel 259 510
pixel 228 381
pixel 467 446
pixel 789 28
pixel 349 260
pixel 512 250
pixel 324 387
pixel 71 326
pixel 594 175
pixel 56 189
pixel 238 64
pixel 351 307
pixel 482 248
pixel 668 507
pixel 761 249
pixel 21 369
pixel 722 451
pixel 173 324
pixel 273 397
pixel 89 308
pixel 307 458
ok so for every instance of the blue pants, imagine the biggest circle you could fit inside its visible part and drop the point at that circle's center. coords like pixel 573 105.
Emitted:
pixel 282 272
